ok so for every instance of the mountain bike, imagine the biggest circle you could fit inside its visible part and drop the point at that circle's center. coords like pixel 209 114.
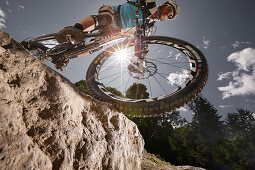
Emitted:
pixel 140 74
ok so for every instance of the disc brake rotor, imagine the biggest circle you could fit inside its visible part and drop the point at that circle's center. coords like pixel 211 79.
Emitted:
pixel 150 70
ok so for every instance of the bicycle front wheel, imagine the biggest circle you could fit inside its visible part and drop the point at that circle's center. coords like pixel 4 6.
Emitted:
pixel 176 71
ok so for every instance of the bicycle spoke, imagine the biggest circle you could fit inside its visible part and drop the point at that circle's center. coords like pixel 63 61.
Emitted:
pixel 109 68
pixel 169 64
pixel 163 74
pixel 112 67
pixel 168 80
pixel 115 78
pixel 127 83
pixel 121 83
pixel 112 80
pixel 181 63
pixel 154 51
pixel 159 84
pixel 110 76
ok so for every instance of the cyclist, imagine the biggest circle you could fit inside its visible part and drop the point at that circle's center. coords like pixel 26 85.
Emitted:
pixel 115 18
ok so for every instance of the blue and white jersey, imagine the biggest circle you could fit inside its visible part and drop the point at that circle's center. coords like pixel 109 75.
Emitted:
pixel 128 13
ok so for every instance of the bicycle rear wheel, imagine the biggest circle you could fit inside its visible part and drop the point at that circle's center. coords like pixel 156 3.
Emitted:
pixel 176 72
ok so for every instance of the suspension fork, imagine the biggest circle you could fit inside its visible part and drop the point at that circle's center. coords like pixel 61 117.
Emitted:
pixel 141 49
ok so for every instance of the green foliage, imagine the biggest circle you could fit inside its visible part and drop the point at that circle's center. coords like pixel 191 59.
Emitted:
pixel 237 150
pixel 236 153
pixel 241 123
pixel 114 91
pixel 81 85
pixel 137 91
pixel 156 160
pixel 206 121
pixel 156 130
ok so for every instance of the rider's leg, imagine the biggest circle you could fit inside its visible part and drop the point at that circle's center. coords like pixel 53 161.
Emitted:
pixel 88 23
pixel 103 20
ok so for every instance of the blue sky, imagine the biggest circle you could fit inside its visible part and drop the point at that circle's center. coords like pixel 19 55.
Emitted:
pixel 222 30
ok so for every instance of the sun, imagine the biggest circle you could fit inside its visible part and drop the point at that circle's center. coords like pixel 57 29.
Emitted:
pixel 121 54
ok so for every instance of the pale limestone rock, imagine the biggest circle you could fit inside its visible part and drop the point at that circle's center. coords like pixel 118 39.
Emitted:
pixel 46 123
pixel 151 162
pixel 5 38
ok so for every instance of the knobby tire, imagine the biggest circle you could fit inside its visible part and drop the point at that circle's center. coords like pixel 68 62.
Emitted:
pixel 151 108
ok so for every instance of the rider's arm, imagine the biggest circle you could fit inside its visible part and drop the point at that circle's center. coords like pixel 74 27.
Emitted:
pixel 87 23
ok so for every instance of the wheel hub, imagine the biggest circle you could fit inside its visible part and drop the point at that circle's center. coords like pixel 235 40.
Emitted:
pixel 142 72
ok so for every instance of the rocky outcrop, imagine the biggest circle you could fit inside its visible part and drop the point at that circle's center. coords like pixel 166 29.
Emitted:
pixel 151 162
pixel 46 123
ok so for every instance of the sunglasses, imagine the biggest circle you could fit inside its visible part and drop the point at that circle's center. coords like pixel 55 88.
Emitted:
pixel 171 11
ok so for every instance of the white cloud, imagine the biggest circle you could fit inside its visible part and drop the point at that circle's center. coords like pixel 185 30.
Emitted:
pixel 170 54
pixel 243 78
pixel 21 7
pixel 2 14
pixel 243 85
pixel 178 56
pixel 225 106
pixel 7 3
pixel 237 44
pixel 224 76
pixel 178 78
pixel 2 19
pixel 243 59
pixel 206 43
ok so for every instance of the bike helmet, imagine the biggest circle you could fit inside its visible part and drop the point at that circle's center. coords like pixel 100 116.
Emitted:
pixel 172 3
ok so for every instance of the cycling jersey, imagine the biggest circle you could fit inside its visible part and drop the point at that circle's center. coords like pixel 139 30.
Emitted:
pixel 128 13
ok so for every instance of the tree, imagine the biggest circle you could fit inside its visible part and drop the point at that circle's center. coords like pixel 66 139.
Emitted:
pixel 114 91
pixel 206 121
pixel 156 130
pixel 242 124
pixel 208 130
pixel 184 147
pixel 238 149
pixel 137 91
pixel 237 153
pixel 81 85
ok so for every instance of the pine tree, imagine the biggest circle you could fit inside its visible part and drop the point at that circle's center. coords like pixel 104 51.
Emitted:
pixel 208 130
pixel 238 149
pixel 206 121
pixel 241 123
